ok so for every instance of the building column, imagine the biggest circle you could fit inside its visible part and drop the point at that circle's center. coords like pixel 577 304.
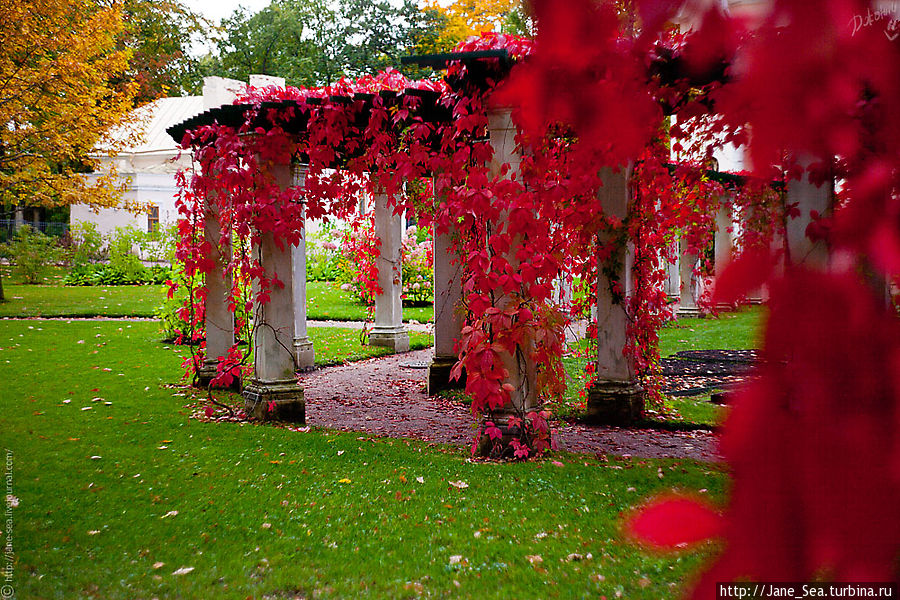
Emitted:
pixel 447 319
pixel 807 197
pixel 615 398
pixel 19 218
pixel 723 237
pixel 687 262
pixel 522 373
pixel 219 320
pixel 673 276
pixel 304 353
pixel 273 393
pixel 389 330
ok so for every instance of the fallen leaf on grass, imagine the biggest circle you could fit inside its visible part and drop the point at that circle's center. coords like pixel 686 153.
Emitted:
pixel 182 571
pixel 534 559
pixel 159 565
pixel 459 484
pixel 345 480
pixel 171 513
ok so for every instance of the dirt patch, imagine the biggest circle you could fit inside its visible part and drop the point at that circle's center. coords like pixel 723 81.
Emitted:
pixel 386 396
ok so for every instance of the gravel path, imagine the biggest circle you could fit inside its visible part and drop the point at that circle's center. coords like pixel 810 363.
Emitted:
pixel 385 396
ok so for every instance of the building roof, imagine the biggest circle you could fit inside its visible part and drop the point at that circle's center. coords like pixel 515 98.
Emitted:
pixel 153 119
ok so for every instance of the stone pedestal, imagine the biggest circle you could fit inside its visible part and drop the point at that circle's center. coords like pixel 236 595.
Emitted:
pixel 219 322
pixel 389 330
pixel 447 319
pixel 304 354
pixel 686 263
pixel 615 403
pixel 275 401
pixel 615 398
pixel 273 393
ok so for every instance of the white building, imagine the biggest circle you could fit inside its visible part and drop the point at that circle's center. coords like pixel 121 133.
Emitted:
pixel 150 164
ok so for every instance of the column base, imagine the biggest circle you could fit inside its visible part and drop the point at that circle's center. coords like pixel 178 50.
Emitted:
pixel 208 371
pixel 692 312
pixel 304 354
pixel 439 375
pixel 275 401
pixel 615 403
pixel 502 448
pixel 395 338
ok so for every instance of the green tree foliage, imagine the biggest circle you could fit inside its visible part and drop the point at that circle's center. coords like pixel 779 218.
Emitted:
pixel 159 34
pixel 313 43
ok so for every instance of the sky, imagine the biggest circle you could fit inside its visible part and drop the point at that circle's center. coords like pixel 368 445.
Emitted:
pixel 216 10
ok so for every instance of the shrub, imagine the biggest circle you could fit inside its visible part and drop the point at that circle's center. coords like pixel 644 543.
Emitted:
pixel 32 252
pixel 359 271
pixel 323 255
pixel 418 265
pixel 87 243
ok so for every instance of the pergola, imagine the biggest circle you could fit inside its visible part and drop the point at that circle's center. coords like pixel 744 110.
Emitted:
pixel 281 345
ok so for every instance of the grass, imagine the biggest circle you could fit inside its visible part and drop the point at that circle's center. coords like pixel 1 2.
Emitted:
pixel 731 331
pixel 118 499
pixel 337 345
pixel 326 301
pixel 737 330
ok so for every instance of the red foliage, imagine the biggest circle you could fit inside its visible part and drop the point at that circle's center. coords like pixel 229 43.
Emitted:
pixel 674 522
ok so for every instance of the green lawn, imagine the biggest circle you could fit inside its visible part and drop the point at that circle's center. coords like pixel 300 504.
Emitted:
pixel 122 495
pixel 325 301
pixel 737 330
pixel 65 301
pixel 337 345
pixel 731 331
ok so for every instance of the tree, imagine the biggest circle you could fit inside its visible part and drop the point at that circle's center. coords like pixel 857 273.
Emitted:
pixel 61 86
pixel 159 33
pixel 312 43
pixel 466 18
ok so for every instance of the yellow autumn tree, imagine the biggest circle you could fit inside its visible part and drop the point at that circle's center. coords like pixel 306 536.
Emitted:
pixel 62 85
pixel 465 18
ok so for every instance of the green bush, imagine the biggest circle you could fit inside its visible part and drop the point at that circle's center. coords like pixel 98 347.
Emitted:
pixel 108 274
pixel 323 254
pixel 32 252
pixel 87 243
pixel 125 266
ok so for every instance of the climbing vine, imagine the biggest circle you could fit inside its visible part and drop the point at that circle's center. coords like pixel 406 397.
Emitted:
pixel 520 215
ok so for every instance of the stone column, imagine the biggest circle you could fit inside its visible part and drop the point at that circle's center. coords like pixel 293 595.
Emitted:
pixel 673 277
pixel 389 330
pixel 273 393
pixel 19 218
pixel 615 398
pixel 219 320
pixel 723 237
pixel 802 250
pixel 304 354
pixel 522 374
pixel 447 319
pixel 687 262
